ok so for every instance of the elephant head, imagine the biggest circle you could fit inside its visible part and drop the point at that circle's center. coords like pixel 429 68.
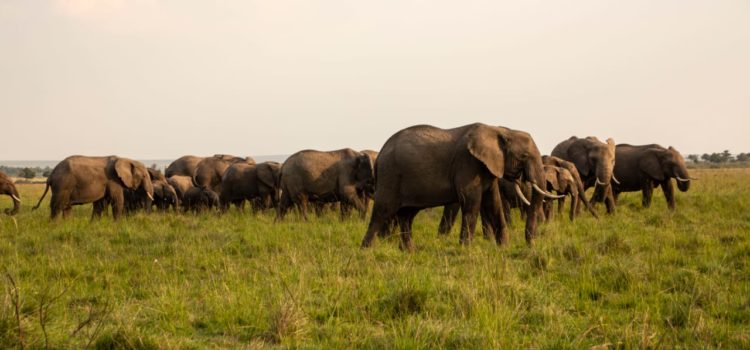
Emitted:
pixel 512 155
pixel 364 173
pixel 165 195
pixel 509 154
pixel 134 176
pixel 560 180
pixel 661 164
pixel 594 159
pixel 269 175
pixel 8 187
pixel 209 198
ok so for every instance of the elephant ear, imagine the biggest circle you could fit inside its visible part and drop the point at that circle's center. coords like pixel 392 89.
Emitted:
pixel 484 144
pixel 651 165
pixel 266 176
pixel 567 183
pixel 579 156
pixel 551 173
pixel 125 170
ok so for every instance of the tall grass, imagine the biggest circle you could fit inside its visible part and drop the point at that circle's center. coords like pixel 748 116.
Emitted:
pixel 642 278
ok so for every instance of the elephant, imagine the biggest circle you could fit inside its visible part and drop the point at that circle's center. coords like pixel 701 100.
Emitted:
pixel 424 166
pixel 561 181
pixel 595 162
pixel 250 182
pixel 7 187
pixel 180 184
pixel 184 166
pixel 165 196
pixel 641 168
pixel 209 171
pixel 198 199
pixel 333 176
pixel 100 180
pixel 576 201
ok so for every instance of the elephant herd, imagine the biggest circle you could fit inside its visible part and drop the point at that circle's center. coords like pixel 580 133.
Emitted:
pixel 478 170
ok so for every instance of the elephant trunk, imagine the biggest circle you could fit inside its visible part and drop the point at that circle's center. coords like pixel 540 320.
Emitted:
pixel 683 179
pixel 535 175
pixel 601 182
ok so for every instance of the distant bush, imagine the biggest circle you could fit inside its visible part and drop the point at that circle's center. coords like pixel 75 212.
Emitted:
pixel 27 173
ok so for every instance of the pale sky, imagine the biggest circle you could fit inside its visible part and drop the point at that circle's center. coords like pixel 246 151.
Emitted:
pixel 151 79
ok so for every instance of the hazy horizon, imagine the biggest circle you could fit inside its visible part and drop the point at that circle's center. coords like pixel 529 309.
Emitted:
pixel 150 79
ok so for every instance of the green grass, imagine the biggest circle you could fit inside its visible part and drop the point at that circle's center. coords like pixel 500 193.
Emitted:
pixel 643 278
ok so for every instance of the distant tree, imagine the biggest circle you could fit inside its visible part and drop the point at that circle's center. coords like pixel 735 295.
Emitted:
pixel 743 157
pixel 726 156
pixel 706 157
pixel 693 157
pixel 27 173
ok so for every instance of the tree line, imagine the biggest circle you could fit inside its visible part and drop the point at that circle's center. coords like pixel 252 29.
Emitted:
pixel 26 172
pixel 718 158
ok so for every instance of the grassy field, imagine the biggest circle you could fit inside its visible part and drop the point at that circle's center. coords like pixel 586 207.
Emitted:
pixel 643 278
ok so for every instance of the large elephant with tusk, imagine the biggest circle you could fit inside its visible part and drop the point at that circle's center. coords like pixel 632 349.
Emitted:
pixel 424 166
pixel 7 187
pixel 99 180
pixel 595 162
pixel 642 168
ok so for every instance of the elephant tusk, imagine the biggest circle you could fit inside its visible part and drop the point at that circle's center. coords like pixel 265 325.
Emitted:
pixel 682 180
pixel 150 196
pixel 521 196
pixel 615 179
pixel 600 183
pixel 546 194
pixel 16 198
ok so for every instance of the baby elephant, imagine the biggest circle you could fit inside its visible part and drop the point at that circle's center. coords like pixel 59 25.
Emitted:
pixel 198 199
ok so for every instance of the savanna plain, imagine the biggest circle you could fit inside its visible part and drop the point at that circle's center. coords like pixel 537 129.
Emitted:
pixel 641 278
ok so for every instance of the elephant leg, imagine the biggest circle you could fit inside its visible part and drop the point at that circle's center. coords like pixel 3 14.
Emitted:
pixel 450 212
pixel 506 210
pixel 117 199
pixel 405 217
pixel 344 210
pixel 67 211
pixel 560 205
pixel 318 207
pixel 647 190
pixel 381 222
pixel 668 190
pixel 56 205
pixel 547 210
pixel 98 208
pixel 302 203
pixel 572 214
pixel 223 204
pixel 284 203
pixel 352 198
pixel 469 210
pixel 493 215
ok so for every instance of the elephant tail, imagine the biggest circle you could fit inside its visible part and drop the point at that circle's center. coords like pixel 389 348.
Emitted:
pixel 46 188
